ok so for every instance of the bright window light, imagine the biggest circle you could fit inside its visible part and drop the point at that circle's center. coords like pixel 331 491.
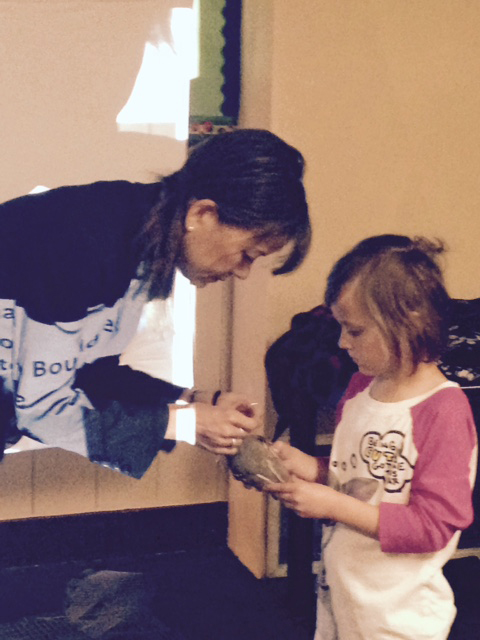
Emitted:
pixel 159 102
pixel 159 105
pixel 164 344
pixel 183 331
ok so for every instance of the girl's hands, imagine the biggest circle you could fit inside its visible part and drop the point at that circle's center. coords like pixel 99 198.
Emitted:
pixel 307 499
pixel 313 500
pixel 297 462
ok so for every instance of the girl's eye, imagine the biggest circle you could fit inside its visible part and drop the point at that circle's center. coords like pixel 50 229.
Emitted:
pixel 247 258
pixel 355 333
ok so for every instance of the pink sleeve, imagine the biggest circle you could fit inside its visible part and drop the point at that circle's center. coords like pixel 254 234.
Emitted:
pixel 441 493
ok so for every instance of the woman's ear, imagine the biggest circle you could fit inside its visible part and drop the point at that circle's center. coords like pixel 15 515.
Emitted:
pixel 201 213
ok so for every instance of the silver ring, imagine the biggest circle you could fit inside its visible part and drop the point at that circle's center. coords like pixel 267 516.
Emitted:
pixel 233 443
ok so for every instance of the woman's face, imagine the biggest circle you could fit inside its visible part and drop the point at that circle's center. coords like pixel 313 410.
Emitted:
pixel 213 251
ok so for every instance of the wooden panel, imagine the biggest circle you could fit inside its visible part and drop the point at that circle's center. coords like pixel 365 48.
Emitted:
pixel 187 475
pixel 16 486
pixel 247 526
pixel 212 352
pixel 53 482
pixel 190 475
pixel 274 569
pixel 117 491
pixel 63 482
pixel 247 508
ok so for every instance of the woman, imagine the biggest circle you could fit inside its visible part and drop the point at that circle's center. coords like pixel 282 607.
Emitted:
pixel 77 265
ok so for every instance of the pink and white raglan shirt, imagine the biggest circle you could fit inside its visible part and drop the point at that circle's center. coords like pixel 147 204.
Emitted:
pixel 416 459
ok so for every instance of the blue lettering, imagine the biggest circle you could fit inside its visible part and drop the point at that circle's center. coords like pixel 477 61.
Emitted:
pixel 39 369
pixel 6 343
pixel 93 342
pixel 110 326
pixel 71 367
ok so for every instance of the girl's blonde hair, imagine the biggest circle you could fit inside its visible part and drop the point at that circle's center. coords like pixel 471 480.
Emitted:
pixel 401 285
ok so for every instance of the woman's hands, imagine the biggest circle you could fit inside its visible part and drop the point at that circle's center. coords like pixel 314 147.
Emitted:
pixel 220 428
pixel 237 401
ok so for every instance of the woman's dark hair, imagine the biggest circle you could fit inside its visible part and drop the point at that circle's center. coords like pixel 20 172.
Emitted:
pixel 401 285
pixel 256 181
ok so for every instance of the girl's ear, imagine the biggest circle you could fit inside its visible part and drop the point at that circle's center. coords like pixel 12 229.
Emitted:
pixel 201 212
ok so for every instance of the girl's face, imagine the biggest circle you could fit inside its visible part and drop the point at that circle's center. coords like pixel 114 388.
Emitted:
pixel 361 336
pixel 214 251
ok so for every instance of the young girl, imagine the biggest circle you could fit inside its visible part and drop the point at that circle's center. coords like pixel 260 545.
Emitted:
pixel 398 485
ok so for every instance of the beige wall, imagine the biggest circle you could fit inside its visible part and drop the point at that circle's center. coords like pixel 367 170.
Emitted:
pixel 383 100
pixel 67 69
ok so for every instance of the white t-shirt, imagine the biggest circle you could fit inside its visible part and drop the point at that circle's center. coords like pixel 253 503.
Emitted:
pixel 416 459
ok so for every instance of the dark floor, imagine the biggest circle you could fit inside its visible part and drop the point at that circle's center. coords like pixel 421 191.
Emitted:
pixel 202 595
pixel 199 588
